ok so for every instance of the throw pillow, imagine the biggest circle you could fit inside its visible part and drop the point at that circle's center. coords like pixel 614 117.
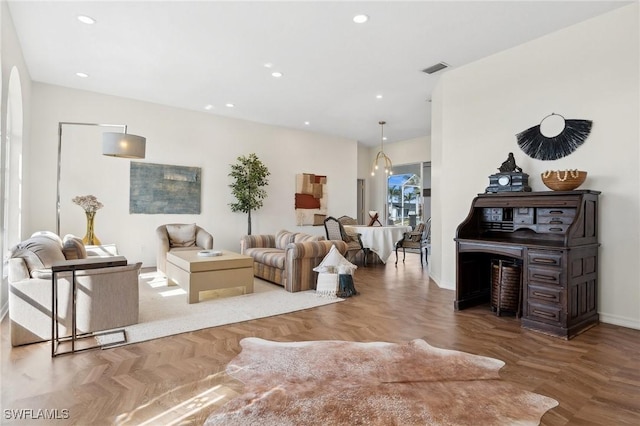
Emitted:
pixel 47 234
pixel 182 235
pixel 334 262
pixel 73 248
pixel 38 252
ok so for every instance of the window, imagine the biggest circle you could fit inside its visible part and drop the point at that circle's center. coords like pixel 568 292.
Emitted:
pixel 404 195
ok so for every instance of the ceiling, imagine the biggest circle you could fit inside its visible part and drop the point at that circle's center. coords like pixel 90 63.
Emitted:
pixel 190 54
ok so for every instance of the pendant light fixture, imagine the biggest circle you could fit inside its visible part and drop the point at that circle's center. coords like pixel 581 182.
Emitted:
pixel 388 165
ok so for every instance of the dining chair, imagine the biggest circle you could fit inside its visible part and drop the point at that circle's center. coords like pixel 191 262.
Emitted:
pixel 347 220
pixel 419 239
pixel 335 231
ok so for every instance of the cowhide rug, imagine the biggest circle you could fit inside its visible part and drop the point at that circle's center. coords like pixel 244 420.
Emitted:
pixel 350 383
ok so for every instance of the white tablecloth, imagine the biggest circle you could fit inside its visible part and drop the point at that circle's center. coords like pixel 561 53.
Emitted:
pixel 380 239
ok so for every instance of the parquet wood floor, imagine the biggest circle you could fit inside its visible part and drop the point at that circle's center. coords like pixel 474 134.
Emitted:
pixel 179 380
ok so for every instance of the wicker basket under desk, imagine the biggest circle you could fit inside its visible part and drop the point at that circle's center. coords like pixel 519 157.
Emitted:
pixel 506 282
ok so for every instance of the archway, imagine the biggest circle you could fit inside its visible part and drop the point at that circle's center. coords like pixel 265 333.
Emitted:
pixel 11 188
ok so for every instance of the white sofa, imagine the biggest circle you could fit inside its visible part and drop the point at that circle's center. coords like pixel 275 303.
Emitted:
pixel 107 298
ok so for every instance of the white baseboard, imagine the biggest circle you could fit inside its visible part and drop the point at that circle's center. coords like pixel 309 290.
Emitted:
pixel 621 321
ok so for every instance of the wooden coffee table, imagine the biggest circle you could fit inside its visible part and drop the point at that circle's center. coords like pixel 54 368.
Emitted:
pixel 195 273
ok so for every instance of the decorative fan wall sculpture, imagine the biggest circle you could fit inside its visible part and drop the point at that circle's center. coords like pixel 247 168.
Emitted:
pixel 555 137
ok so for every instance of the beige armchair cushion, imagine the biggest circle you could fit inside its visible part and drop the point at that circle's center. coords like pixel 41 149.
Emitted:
pixel 182 235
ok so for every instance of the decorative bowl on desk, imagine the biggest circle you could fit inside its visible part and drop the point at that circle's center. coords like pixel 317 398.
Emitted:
pixel 563 180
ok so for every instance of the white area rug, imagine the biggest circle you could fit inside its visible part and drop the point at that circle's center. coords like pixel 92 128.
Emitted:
pixel 164 310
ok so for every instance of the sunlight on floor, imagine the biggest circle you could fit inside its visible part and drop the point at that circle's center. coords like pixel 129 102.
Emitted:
pixel 152 275
pixel 157 283
pixel 170 293
pixel 155 412
pixel 186 408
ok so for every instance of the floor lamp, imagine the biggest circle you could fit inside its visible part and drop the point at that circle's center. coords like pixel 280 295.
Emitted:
pixel 114 144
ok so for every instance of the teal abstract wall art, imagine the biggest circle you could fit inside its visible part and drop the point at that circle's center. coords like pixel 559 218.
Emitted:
pixel 164 189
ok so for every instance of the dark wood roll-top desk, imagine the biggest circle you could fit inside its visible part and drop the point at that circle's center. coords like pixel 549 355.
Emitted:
pixel 553 235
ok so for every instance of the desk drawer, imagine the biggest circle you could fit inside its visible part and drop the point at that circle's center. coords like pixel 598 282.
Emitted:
pixel 550 314
pixel 552 229
pixel 551 276
pixel 554 220
pixel 555 212
pixel 545 295
pixel 545 258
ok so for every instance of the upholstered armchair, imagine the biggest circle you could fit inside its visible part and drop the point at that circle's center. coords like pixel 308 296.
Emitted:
pixel 180 236
pixel 419 239
pixel 107 298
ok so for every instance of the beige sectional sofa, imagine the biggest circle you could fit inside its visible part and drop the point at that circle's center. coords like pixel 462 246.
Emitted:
pixel 288 258
pixel 107 298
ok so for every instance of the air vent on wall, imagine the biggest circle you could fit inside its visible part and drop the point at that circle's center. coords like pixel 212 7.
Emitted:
pixel 435 68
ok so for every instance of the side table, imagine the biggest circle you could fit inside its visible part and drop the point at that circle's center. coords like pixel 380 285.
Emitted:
pixel 73 266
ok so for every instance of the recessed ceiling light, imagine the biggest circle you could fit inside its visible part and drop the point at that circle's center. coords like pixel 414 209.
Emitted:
pixel 384 138
pixel 378 96
pixel 86 19
pixel 208 107
pixel 360 19
pixel 306 123
pixel 229 105
pixel 276 74
pixel 268 65
pixel 82 74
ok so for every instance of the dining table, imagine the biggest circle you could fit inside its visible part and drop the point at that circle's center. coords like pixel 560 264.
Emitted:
pixel 380 240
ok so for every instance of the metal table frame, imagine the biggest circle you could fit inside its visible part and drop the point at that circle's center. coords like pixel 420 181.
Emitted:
pixel 73 266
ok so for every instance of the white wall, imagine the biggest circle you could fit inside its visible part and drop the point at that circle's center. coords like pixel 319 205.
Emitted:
pixel 588 71
pixel 176 137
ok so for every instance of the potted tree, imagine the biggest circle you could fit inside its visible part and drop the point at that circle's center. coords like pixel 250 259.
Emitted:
pixel 249 176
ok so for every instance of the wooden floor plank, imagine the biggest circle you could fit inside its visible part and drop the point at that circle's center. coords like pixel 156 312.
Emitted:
pixel 181 379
